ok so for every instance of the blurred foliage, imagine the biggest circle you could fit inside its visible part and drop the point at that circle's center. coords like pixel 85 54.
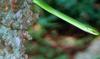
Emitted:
pixel 49 29
pixel 86 11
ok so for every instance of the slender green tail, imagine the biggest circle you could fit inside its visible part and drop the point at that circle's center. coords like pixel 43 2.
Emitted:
pixel 82 26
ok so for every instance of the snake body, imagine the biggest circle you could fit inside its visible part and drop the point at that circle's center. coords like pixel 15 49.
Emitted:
pixel 80 25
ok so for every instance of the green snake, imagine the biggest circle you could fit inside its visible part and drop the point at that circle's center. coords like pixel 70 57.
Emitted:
pixel 82 26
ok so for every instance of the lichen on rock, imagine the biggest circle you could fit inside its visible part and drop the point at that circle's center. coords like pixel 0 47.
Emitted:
pixel 13 28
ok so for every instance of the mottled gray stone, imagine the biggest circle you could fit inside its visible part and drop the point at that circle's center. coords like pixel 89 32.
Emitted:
pixel 13 29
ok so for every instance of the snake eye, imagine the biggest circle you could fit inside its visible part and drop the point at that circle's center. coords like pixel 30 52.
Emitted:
pixel 96 33
pixel 93 31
